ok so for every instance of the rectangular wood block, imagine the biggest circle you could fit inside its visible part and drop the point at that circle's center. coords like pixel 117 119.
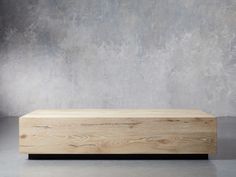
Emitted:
pixel 117 131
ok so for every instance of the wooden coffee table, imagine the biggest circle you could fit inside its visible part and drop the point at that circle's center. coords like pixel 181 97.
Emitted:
pixel 117 131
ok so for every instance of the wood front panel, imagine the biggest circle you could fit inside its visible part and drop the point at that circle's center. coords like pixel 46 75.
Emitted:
pixel 117 135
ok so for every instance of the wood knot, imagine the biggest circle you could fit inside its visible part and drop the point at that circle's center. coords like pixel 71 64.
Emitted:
pixel 23 136
pixel 163 141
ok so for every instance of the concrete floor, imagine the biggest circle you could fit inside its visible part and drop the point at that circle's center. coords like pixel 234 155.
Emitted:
pixel 13 164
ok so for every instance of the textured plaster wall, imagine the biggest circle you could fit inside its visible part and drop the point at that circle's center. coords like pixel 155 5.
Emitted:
pixel 118 54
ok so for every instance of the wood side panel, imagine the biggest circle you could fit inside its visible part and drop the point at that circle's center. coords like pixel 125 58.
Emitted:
pixel 117 135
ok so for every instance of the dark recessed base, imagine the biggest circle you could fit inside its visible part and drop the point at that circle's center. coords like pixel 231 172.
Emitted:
pixel 118 156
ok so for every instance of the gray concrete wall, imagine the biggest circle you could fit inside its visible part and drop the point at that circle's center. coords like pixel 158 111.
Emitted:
pixel 118 54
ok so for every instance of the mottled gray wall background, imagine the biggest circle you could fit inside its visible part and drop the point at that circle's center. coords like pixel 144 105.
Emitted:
pixel 118 54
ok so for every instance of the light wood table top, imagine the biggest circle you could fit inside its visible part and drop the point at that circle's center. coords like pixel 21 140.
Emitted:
pixel 118 113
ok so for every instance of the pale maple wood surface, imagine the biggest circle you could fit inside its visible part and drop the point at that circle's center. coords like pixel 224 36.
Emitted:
pixel 117 131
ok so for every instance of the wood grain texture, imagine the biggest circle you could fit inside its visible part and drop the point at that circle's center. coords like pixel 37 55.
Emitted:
pixel 117 132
